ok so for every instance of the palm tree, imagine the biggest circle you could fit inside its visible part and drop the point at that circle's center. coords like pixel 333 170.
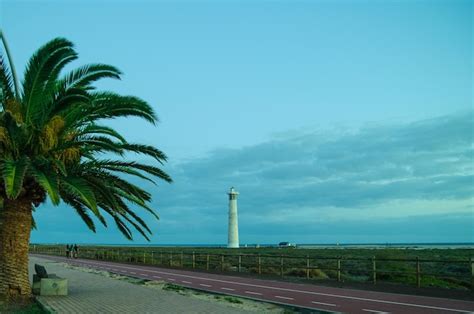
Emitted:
pixel 54 145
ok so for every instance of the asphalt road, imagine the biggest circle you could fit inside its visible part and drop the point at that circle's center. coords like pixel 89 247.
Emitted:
pixel 302 295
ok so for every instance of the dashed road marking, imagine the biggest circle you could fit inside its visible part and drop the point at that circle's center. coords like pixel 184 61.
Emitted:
pixel 375 311
pixel 285 298
pixel 322 303
pixel 204 285
pixel 183 281
pixel 230 289
pixel 157 277
pixel 143 274
pixel 133 273
pixel 171 279
pixel 251 292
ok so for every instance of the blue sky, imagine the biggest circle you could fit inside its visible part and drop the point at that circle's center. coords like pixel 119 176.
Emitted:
pixel 338 121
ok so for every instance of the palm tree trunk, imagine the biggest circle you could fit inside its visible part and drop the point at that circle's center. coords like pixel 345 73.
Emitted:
pixel 15 228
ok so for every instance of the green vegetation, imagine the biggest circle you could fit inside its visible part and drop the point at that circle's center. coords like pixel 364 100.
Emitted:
pixel 173 287
pixel 30 308
pixel 442 268
pixel 228 299
pixel 233 300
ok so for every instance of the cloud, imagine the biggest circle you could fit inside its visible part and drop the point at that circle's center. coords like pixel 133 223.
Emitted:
pixel 291 185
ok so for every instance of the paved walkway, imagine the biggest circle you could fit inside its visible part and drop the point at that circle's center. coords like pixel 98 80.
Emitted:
pixel 94 293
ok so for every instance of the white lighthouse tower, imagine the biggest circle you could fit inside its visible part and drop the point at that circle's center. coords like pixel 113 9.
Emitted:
pixel 233 238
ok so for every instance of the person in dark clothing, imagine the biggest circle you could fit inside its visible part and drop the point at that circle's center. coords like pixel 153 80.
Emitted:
pixel 68 250
pixel 75 250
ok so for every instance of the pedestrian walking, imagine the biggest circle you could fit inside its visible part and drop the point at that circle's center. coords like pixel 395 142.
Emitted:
pixel 75 249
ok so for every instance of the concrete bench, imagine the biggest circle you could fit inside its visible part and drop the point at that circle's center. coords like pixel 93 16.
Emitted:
pixel 48 284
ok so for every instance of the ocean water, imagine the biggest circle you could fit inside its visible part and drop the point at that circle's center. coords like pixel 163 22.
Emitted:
pixel 468 245
pixel 393 245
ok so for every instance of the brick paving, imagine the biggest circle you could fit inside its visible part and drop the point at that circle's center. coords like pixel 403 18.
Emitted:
pixel 94 293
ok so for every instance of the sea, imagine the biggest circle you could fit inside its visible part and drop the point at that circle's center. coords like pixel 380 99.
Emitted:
pixel 467 245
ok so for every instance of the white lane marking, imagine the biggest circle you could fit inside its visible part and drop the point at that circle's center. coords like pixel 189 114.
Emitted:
pixel 251 292
pixel 286 298
pixel 133 273
pixel 229 289
pixel 374 311
pixel 171 279
pixel 157 277
pixel 144 274
pixel 322 303
pixel 294 290
pixel 201 284
pixel 184 281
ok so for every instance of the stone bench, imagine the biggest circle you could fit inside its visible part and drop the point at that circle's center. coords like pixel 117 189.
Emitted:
pixel 48 284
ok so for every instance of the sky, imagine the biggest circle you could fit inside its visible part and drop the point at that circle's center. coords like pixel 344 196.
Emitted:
pixel 340 121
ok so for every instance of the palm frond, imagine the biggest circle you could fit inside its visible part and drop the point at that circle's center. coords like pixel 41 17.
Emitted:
pixel 6 82
pixel 41 72
pixel 80 210
pixel 137 201
pixel 87 74
pixel 48 180
pixel 106 105
pixel 99 129
pixel 68 103
pixel 13 174
pixel 137 227
pixel 148 150
pixel 123 228
pixel 80 188
pixel 16 85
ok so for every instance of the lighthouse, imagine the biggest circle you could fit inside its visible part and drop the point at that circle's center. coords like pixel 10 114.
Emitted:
pixel 233 237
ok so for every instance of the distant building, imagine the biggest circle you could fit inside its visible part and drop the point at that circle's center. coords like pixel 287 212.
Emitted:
pixel 286 244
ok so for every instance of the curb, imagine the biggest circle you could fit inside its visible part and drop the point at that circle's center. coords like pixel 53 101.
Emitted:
pixel 44 307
